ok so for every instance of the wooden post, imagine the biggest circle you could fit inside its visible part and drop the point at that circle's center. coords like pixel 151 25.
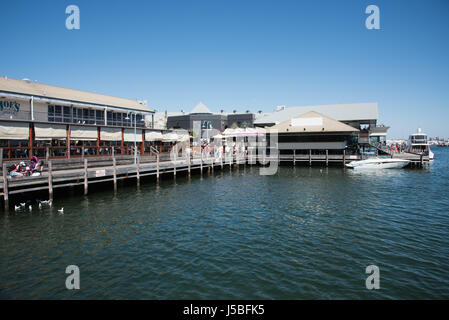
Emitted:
pixel 157 166
pixel 1 157
pixel 344 156
pixel 221 161
pixel 68 141
pixel 201 163
pixel 142 144
pixel 188 164
pixel 230 162
pixel 327 157
pixel 122 143
pixel 310 157
pixel 98 140
pixel 294 157
pixel 85 177
pixel 30 140
pixel 5 186
pixel 114 163
pixel 138 171
pixel 50 181
pixel 47 153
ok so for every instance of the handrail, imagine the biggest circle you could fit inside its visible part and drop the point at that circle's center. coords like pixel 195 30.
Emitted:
pixel 153 149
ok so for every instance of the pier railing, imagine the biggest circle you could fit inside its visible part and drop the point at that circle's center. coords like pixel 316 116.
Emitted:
pixel 63 173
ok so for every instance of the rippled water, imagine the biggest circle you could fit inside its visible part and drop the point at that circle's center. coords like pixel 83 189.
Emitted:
pixel 304 233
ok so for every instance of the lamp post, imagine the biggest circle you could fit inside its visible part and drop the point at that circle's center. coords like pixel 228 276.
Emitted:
pixel 135 134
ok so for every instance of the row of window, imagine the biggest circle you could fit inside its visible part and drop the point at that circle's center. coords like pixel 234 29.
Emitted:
pixel 88 116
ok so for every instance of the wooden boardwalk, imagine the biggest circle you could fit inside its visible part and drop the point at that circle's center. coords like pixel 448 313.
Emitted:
pixel 91 172
pixel 65 173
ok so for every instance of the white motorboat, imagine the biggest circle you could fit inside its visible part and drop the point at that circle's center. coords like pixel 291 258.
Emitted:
pixel 378 163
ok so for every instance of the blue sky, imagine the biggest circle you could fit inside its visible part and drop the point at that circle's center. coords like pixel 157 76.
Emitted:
pixel 241 54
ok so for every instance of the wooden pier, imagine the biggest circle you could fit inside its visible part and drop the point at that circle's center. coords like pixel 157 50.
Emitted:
pixel 65 173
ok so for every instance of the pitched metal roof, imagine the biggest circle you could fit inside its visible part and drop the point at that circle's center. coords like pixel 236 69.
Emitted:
pixel 201 108
pixel 312 122
pixel 27 87
pixel 340 112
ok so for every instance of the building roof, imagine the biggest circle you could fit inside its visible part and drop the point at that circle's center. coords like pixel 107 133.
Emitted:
pixel 312 122
pixel 340 112
pixel 200 108
pixel 28 87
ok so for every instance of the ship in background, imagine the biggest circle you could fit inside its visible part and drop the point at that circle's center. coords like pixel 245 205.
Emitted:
pixel 419 143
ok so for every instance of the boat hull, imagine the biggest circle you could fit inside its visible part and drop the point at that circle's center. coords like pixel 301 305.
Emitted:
pixel 378 164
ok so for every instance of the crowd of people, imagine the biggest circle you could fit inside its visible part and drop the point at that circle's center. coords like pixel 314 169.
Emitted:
pixel 30 168
pixel 216 151
pixel 398 147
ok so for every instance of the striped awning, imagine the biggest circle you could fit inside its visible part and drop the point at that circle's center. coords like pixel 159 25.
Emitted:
pixel 83 133
pixel 111 134
pixel 14 131
pixel 44 131
pixel 129 135
pixel 153 136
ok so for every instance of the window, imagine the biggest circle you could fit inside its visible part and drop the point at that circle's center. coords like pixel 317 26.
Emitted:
pixel 109 118
pixel 51 113
pixel 58 114
pixel 85 116
pixel 126 122
pixel 67 115
pixel 99 117
pixel 91 119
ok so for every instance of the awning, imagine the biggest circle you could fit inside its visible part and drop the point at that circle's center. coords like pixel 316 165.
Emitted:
pixel 14 131
pixel 49 131
pixel 183 137
pixel 153 136
pixel 83 133
pixel 129 135
pixel 170 137
pixel 111 134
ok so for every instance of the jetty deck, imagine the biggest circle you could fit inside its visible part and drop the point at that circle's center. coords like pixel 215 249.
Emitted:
pixel 65 173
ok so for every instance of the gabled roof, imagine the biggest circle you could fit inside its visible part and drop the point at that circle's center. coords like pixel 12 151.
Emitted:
pixel 312 122
pixel 201 108
pixel 340 112
pixel 31 88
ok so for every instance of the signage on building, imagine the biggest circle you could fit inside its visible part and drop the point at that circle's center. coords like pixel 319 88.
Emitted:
pixel 9 107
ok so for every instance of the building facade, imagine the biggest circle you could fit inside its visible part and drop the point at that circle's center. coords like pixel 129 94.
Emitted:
pixel 209 120
pixel 50 121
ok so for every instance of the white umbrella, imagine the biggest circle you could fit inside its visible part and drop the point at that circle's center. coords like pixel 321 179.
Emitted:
pixel 170 137
pixel 153 136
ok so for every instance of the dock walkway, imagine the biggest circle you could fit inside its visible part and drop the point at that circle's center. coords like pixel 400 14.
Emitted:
pixel 84 172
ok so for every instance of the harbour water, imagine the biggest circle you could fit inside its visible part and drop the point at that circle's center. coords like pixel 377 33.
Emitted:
pixel 304 233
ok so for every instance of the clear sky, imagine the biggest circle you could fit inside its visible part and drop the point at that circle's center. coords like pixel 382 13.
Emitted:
pixel 241 54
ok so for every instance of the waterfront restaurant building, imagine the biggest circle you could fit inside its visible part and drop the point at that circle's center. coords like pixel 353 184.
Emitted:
pixel 360 116
pixel 210 120
pixel 314 132
pixel 50 121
